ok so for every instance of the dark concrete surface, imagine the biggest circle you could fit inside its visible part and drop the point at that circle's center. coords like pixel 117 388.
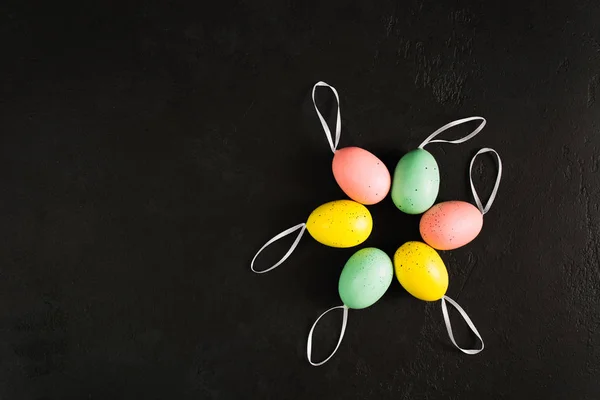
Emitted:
pixel 149 149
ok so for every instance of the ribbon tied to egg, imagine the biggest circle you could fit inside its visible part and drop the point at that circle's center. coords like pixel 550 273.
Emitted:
pixel 421 271
pixel 416 181
pixel 359 173
pixel 340 223
pixel 365 278
pixel 452 224
pixel 490 201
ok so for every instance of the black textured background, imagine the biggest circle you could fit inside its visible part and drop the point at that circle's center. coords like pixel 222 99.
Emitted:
pixel 149 149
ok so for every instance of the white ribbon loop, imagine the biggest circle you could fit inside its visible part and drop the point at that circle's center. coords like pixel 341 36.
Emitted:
pixel 310 334
pixel 467 320
pixel 451 125
pixel 338 123
pixel 496 185
pixel 302 228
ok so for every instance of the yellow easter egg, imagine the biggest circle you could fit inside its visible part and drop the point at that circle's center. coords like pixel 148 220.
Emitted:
pixel 421 271
pixel 340 223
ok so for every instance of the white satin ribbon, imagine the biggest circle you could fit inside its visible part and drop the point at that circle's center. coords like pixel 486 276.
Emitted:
pixel 496 185
pixel 310 334
pixel 338 123
pixel 451 125
pixel 294 228
pixel 467 320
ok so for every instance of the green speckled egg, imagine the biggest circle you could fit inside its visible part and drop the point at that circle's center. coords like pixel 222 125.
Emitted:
pixel 416 182
pixel 365 278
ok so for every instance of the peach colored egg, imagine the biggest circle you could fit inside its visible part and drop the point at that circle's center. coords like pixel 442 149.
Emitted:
pixel 361 175
pixel 450 225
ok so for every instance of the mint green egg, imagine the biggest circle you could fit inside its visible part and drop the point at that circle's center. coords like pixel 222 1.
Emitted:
pixel 366 276
pixel 416 182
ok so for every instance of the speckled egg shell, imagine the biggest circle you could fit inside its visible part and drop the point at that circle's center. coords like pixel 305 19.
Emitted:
pixel 340 223
pixel 416 182
pixel 450 225
pixel 365 278
pixel 421 271
pixel 361 175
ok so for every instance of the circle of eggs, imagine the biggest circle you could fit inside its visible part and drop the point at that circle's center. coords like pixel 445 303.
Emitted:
pixel 450 224
pixel 340 223
pixel 366 277
pixel 421 271
pixel 361 175
pixel 416 182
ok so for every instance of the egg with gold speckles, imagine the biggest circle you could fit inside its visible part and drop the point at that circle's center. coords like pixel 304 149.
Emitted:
pixel 416 182
pixel 450 225
pixel 340 223
pixel 365 278
pixel 421 271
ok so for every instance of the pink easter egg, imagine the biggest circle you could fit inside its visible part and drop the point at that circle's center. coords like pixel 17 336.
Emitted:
pixel 450 225
pixel 361 175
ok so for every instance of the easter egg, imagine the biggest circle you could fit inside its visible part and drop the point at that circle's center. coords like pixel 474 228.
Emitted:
pixel 366 276
pixel 361 175
pixel 340 223
pixel 421 271
pixel 416 182
pixel 450 225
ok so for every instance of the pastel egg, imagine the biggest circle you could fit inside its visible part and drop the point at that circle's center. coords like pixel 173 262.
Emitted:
pixel 450 225
pixel 361 175
pixel 416 182
pixel 421 271
pixel 340 223
pixel 366 277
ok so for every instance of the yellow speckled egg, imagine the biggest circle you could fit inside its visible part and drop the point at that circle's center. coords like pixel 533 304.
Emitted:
pixel 340 223
pixel 421 271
